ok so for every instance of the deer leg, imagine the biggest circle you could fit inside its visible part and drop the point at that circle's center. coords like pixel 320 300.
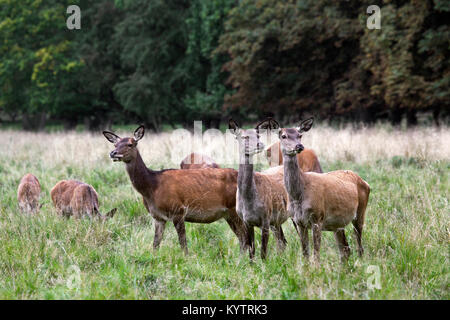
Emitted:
pixel 160 225
pixel 279 235
pixel 358 228
pixel 304 239
pixel 342 243
pixel 237 226
pixel 282 237
pixel 179 225
pixel 358 223
pixel 251 241
pixel 264 240
pixel 297 228
pixel 317 236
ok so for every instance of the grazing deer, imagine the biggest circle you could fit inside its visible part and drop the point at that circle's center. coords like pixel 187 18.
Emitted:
pixel 197 161
pixel 76 198
pixel 307 159
pixel 322 201
pixel 28 194
pixel 261 197
pixel 197 195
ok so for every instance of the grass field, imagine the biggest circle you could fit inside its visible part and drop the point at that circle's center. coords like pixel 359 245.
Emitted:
pixel 406 233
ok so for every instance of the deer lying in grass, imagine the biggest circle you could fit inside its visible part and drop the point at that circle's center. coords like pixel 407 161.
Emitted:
pixel 327 201
pixel 75 198
pixel 28 194
pixel 197 195
pixel 261 197
pixel 307 159
pixel 197 161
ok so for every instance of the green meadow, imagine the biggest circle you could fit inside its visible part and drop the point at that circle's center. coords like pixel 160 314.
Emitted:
pixel 406 234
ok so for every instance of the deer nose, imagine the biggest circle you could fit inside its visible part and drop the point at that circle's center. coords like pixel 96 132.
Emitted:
pixel 112 153
pixel 299 147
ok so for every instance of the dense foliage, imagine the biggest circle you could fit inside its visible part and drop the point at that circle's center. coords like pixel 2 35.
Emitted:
pixel 171 62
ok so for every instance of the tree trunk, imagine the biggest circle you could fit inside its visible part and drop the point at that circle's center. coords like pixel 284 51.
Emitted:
pixel 395 115
pixel 34 122
pixel 436 114
pixel 411 117
pixel 69 124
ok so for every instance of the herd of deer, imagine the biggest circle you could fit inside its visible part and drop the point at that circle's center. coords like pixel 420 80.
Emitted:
pixel 295 187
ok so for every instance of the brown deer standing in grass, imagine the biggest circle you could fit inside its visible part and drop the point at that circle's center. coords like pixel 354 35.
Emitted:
pixel 28 194
pixel 261 197
pixel 76 198
pixel 197 161
pixel 327 201
pixel 197 195
pixel 307 159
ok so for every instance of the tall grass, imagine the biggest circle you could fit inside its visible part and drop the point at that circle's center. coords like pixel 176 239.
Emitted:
pixel 406 235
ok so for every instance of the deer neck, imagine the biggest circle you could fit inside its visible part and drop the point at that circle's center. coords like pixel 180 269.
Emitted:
pixel 294 178
pixel 246 180
pixel 142 178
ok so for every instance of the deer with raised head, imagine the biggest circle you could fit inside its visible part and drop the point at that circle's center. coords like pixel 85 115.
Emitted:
pixel 322 201
pixel 197 161
pixel 197 195
pixel 76 198
pixel 307 159
pixel 28 194
pixel 261 197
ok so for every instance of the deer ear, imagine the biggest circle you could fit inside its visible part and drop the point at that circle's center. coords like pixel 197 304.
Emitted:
pixel 269 123
pixel 111 137
pixel 233 126
pixel 305 125
pixel 139 133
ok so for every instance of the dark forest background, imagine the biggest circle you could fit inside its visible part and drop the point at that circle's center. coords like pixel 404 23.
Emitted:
pixel 169 62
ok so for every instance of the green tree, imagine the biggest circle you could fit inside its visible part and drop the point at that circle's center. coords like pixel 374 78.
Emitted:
pixel 286 56
pixel 152 39
pixel 294 57
pixel 206 90
pixel 37 66
pixel 408 59
pixel 102 65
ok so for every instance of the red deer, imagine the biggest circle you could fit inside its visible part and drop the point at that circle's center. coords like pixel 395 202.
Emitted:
pixel 196 195
pixel 76 198
pixel 322 201
pixel 307 159
pixel 261 197
pixel 197 161
pixel 28 194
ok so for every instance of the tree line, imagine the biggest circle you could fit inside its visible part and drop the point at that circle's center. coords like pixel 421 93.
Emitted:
pixel 175 61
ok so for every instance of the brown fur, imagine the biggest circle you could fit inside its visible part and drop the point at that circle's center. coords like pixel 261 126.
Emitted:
pixel 198 161
pixel 270 187
pixel 196 195
pixel 76 198
pixel 28 194
pixel 327 201
pixel 177 191
pixel 270 183
pixel 307 159
pixel 261 197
